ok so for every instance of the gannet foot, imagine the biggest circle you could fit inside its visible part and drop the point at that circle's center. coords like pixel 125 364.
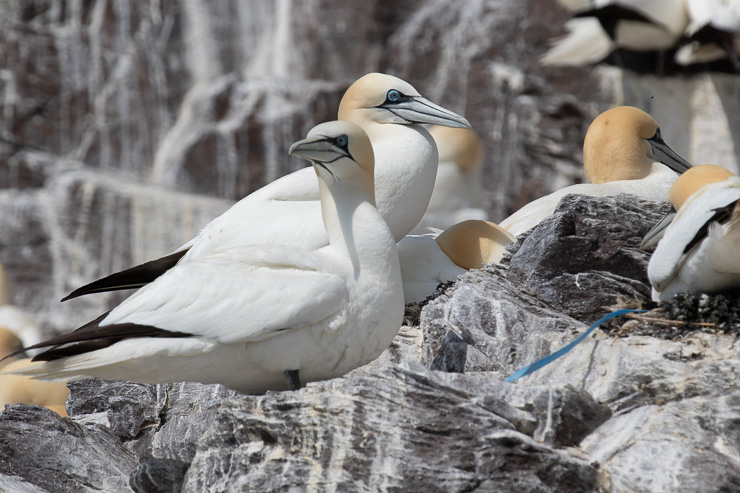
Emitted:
pixel 294 379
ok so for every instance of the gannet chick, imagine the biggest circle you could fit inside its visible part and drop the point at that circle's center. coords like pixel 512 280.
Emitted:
pixel 287 211
pixel 700 251
pixel 605 25
pixel 623 152
pixel 458 193
pixel 427 261
pixel 263 317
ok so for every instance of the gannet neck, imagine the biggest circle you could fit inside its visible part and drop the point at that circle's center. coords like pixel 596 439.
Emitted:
pixel 694 179
pixel 458 145
pixel 472 244
pixel 406 162
pixel 615 147
pixel 343 158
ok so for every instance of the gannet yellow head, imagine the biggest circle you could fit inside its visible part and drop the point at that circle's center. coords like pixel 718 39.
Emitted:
pixel 383 98
pixel 694 179
pixel 458 145
pixel 472 244
pixel 622 143
pixel 338 150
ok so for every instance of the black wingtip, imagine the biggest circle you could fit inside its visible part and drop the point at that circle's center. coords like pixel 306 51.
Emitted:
pixel 132 278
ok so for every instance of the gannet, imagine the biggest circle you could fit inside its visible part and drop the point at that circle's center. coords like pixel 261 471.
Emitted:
pixel 24 390
pixel 602 26
pixel 18 389
pixel 259 317
pixel 458 193
pixel 700 251
pixel 623 152
pixel 712 33
pixel 427 260
pixel 287 211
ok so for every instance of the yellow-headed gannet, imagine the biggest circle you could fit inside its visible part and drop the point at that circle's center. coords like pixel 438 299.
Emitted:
pixel 259 317
pixel 427 261
pixel 19 389
pixel 288 212
pixel 700 251
pixel 24 390
pixel 623 152
pixel 458 193
pixel 602 26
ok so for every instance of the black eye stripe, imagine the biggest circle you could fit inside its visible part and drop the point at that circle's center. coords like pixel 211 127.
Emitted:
pixel 394 96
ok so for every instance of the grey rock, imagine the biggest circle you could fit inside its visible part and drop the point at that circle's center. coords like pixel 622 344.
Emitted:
pixel 159 476
pixel 586 257
pixel 399 428
pixel 57 454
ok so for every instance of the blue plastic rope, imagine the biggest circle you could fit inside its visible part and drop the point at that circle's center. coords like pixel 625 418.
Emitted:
pixel 552 357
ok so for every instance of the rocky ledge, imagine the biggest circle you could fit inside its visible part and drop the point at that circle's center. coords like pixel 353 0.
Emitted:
pixel 628 411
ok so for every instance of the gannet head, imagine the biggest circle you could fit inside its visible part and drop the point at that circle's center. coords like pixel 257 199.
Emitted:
pixel 693 180
pixel 472 244
pixel 382 98
pixel 339 150
pixel 622 143
pixel 458 145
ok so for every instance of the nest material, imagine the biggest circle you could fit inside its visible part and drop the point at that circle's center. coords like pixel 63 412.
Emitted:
pixel 683 316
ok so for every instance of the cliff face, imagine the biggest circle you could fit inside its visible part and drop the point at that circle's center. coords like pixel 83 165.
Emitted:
pixel 127 126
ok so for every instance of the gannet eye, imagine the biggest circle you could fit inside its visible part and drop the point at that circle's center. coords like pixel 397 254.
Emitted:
pixel 393 96
pixel 341 141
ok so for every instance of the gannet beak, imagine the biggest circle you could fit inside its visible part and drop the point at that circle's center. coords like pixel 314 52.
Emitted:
pixel 417 109
pixel 317 149
pixel 654 235
pixel 664 154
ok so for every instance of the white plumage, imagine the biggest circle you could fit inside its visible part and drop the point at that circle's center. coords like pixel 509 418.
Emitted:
pixel 244 316
pixel 700 251
pixel 428 260
pixel 287 211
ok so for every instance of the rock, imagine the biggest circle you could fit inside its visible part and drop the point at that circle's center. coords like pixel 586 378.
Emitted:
pixel 586 257
pixel 159 476
pixel 57 454
pixel 379 432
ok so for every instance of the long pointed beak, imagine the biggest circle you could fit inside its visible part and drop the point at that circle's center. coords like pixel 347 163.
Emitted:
pixel 316 149
pixel 668 156
pixel 654 235
pixel 420 110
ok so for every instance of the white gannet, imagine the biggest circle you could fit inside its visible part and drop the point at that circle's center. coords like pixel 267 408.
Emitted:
pixel 712 33
pixel 259 317
pixel 700 250
pixel 458 193
pixel 623 152
pixel 427 260
pixel 287 211
pixel 602 26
